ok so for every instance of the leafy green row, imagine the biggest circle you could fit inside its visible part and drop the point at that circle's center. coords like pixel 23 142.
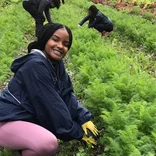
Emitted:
pixel 120 94
pixel 14 22
pixel 137 29
pixel 114 87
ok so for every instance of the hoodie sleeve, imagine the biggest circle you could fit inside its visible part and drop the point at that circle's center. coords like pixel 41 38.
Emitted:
pixel 85 19
pixel 50 110
pixel 79 113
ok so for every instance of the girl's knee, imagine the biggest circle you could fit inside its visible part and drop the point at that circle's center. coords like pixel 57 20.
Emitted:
pixel 48 147
pixel 52 145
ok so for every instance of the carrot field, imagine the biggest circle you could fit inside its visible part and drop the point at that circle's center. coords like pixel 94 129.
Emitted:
pixel 114 77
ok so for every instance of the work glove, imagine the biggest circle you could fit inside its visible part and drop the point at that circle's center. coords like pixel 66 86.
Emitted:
pixel 89 140
pixel 89 125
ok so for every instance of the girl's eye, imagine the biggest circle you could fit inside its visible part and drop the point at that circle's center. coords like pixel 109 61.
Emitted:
pixel 66 44
pixel 54 38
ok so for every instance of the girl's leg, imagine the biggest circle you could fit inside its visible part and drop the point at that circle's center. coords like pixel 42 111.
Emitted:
pixel 99 27
pixel 33 11
pixel 29 138
pixel 104 27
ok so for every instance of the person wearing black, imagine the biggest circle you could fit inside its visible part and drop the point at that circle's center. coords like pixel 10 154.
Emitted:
pixel 37 9
pixel 97 20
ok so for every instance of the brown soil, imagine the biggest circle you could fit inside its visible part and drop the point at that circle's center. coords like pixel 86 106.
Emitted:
pixel 119 5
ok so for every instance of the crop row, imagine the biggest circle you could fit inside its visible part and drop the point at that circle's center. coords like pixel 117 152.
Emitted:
pixel 113 86
pixel 14 21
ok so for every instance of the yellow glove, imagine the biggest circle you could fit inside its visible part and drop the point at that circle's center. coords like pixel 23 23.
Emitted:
pixel 89 140
pixel 89 125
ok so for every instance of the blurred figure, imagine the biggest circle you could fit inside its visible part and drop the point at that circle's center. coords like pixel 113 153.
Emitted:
pixel 40 10
pixel 98 21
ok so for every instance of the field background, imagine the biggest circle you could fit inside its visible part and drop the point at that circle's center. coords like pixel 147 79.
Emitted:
pixel 114 77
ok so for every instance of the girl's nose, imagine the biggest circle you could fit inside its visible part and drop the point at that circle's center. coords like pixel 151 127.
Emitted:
pixel 60 45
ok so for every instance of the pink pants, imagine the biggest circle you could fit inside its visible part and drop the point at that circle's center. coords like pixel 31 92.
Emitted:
pixel 29 138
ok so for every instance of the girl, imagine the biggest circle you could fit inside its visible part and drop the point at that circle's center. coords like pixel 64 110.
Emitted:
pixel 39 106
pixel 98 21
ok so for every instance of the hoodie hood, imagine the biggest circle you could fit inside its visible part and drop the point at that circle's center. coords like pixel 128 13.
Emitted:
pixel 17 63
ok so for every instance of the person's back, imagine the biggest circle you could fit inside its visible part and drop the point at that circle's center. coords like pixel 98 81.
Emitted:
pixel 37 2
pixel 47 3
pixel 104 19
pixel 39 10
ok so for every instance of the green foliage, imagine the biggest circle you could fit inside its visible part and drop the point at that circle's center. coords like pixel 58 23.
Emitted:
pixel 5 152
pixel 4 3
pixel 11 36
pixel 110 77
pixel 136 10
pixel 148 15
pixel 134 27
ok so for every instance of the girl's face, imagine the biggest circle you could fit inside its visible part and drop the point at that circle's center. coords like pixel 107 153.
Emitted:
pixel 57 46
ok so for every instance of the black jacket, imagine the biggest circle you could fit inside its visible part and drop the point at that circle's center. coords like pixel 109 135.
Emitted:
pixel 100 18
pixel 43 94
pixel 43 6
